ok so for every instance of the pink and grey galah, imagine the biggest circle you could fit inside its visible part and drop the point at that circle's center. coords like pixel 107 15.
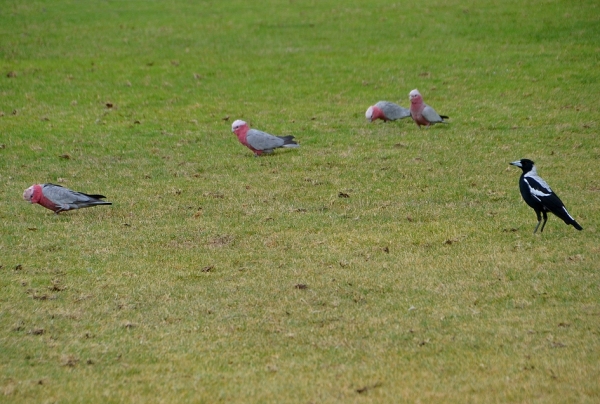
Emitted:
pixel 58 199
pixel 387 111
pixel 422 113
pixel 260 142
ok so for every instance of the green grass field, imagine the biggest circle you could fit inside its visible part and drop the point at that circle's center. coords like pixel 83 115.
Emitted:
pixel 219 277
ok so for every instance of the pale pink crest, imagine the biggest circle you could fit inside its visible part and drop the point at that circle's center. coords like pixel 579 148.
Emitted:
pixel 238 123
pixel 28 194
pixel 414 94
pixel 369 113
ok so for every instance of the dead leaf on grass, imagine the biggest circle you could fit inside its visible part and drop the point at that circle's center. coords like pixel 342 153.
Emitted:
pixel 343 195
pixel 65 156
pixel 82 297
pixel 37 331
pixel 43 296
pixel 222 241
pixel 207 268
pixel 69 360
pixel 367 388
pixel 301 286
pixel 56 286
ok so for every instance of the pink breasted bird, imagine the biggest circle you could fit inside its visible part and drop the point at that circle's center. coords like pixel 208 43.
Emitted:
pixel 387 111
pixel 422 113
pixel 260 142
pixel 58 199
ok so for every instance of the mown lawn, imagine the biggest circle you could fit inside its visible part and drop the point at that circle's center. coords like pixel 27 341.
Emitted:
pixel 376 263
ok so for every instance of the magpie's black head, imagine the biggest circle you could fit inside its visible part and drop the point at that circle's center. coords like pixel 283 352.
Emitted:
pixel 525 164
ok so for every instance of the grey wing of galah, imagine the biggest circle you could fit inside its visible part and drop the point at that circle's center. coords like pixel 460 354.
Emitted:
pixel 432 116
pixel 68 199
pixel 393 111
pixel 262 140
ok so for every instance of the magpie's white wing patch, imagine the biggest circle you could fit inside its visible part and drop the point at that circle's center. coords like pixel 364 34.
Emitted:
pixel 537 187
pixel 541 184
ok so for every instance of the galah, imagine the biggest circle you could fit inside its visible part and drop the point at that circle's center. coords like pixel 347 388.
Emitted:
pixel 387 111
pixel 422 113
pixel 58 199
pixel 260 142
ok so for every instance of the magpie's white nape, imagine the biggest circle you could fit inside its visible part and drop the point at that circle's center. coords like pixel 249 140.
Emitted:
pixel 538 195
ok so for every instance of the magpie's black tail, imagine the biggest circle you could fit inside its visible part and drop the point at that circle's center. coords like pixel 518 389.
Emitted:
pixel 576 225
pixel 444 117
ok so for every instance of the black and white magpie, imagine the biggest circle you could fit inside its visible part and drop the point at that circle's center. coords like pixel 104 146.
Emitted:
pixel 537 194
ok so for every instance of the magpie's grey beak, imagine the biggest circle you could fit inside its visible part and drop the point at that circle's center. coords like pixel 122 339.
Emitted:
pixel 516 163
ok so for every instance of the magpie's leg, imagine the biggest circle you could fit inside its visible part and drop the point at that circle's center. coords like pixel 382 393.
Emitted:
pixel 545 220
pixel 539 218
